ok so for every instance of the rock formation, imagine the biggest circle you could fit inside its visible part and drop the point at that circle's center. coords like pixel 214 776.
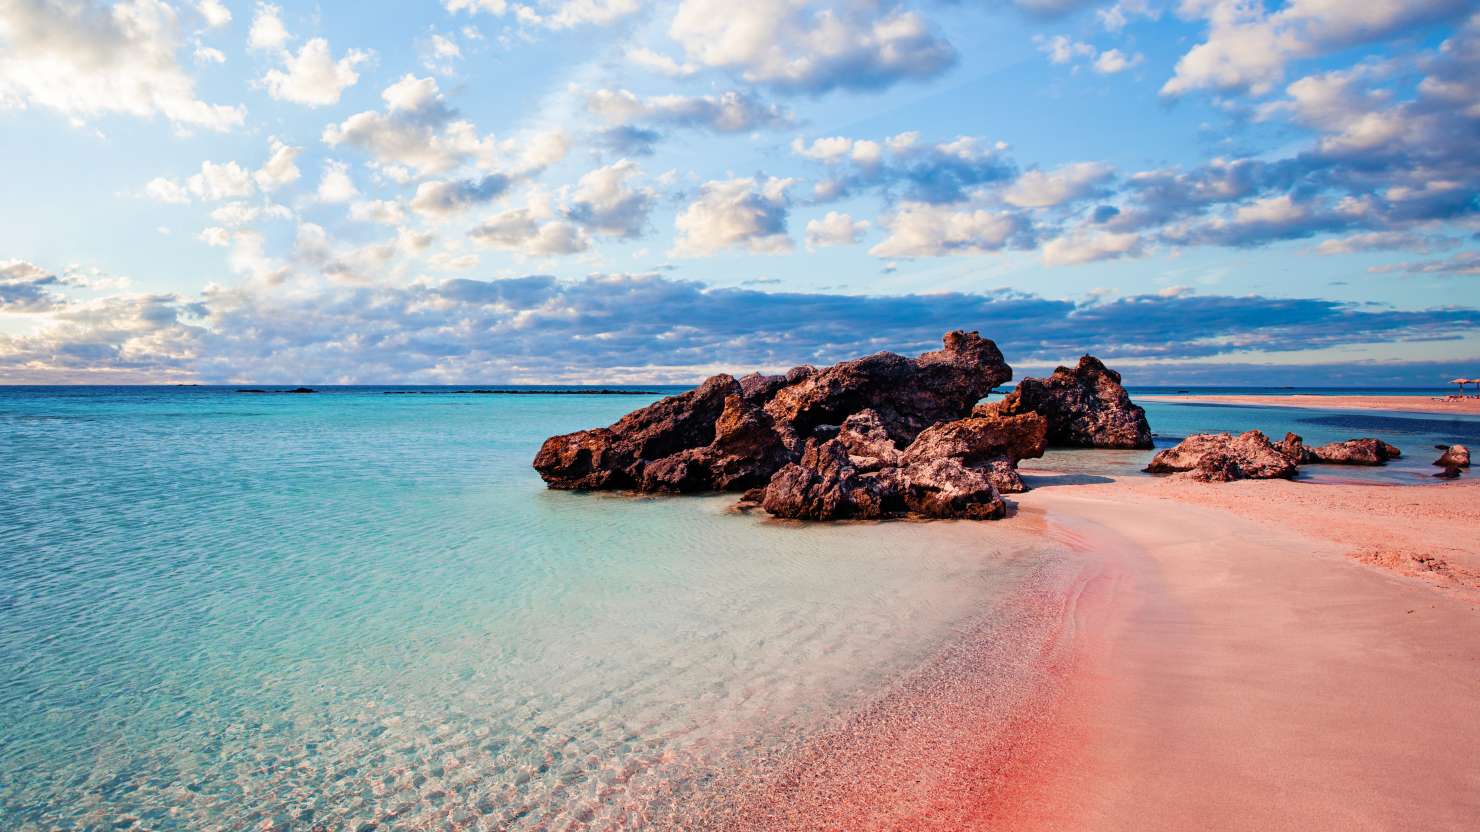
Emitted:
pixel 952 469
pixel 1219 457
pixel 1222 457
pixel 1085 407
pixel 1454 456
pixel 825 443
pixel 1353 452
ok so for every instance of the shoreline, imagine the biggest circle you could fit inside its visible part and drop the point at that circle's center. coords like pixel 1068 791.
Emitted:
pixel 1405 404
pixel 1211 656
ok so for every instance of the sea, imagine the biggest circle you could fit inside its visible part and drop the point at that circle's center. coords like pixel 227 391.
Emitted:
pixel 360 609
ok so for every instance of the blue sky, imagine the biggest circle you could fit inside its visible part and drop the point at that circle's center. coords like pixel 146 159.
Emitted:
pixel 614 190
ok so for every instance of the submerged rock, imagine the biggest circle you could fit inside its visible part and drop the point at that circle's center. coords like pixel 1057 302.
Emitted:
pixel 1085 407
pixel 1454 456
pixel 1222 457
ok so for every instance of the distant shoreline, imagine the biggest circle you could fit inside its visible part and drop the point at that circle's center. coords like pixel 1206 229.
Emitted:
pixel 1407 404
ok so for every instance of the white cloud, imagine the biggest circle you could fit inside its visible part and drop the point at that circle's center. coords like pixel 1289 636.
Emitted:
pixel 335 185
pixel 1114 18
pixel 919 229
pixel 160 189
pixel 735 213
pixel 1248 47
pixel 227 180
pixel 380 211
pixel 313 77
pixel 1062 50
pixel 84 59
pixel 1081 247
pixel 806 46
pixel 207 55
pixel 530 232
pixel 1113 61
pixel 216 236
pixel 215 14
pixel 418 131
pixel 279 169
pixel 834 229
pixel 661 64
pixel 551 14
pixel 1044 189
pixel 604 201
pixel 728 112
pixel 267 30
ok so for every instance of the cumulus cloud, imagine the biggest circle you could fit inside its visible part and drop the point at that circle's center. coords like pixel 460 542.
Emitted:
pixel 1248 47
pixel 335 185
pixel 748 214
pixel 922 229
pixel 1044 189
pixel 26 287
pixel 530 232
pixel 927 172
pixel 313 77
pixel 85 59
pixel 1062 50
pixel 214 13
pixel 1090 246
pixel 800 46
pixel 443 198
pixel 605 201
pixel 267 31
pixel 834 229
pixel 279 169
pixel 420 131
pixel 728 112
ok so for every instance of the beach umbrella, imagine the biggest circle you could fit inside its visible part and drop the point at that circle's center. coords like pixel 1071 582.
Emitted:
pixel 1461 382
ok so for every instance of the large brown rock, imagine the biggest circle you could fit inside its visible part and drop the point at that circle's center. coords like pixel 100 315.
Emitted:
pixel 615 457
pixel 1353 452
pixel 953 469
pixel 1222 457
pixel 941 488
pixel 1085 407
pixel 909 395
pixel 826 485
pixel 734 435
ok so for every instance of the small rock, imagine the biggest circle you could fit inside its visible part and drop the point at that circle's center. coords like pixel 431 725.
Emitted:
pixel 1455 456
pixel 1222 457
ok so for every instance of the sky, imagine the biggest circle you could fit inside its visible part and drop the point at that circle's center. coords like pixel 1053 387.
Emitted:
pixel 458 191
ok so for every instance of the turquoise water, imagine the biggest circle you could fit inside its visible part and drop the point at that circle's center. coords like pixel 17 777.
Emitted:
pixel 353 610
pixel 224 611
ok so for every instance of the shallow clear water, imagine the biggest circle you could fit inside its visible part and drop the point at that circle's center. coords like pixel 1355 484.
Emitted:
pixel 223 611
pixel 226 611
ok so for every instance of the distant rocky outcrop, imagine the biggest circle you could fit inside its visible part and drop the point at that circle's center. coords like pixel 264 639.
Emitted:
pixel 1223 457
pixel 1086 407
pixel 1353 452
pixel 824 443
pixel 1220 457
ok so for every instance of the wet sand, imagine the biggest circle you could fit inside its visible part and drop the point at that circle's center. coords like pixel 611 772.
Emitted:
pixel 1406 404
pixel 1253 672
pixel 1211 657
